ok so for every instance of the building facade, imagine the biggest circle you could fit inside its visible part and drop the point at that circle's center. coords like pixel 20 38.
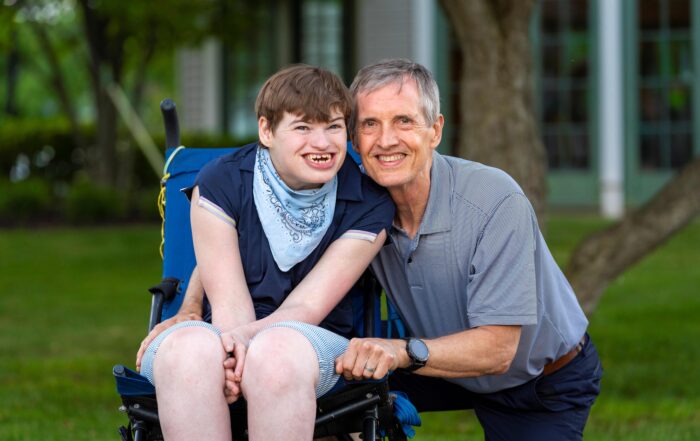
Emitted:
pixel 617 97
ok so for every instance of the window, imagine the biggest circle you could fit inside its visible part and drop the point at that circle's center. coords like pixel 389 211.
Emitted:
pixel 665 84
pixel 565 86
pixel 322 27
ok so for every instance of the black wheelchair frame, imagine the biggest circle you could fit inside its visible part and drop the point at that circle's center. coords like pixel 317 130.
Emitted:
pixel 364 407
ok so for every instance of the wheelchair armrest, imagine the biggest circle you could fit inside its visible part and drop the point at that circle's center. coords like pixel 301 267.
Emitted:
pixel 164 291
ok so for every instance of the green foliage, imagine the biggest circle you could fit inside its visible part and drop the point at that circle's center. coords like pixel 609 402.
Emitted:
pixel 52 163
pixel 47 143
pixel 87 202
pixel 144 206
pixel 24 201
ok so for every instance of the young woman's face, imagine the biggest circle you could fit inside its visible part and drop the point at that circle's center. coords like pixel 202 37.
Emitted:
pixel 305 154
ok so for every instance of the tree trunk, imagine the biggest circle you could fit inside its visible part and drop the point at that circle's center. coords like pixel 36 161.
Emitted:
pixel 606 254
pixel 104 66
pixel 498 125
pixel 10 107
pixel 58 83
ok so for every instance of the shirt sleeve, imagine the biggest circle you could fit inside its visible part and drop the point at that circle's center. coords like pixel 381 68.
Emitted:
pixel 216 191
pixel 502 285
pixel 374 214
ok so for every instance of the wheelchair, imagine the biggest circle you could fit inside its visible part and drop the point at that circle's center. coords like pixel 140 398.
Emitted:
pixel 366 407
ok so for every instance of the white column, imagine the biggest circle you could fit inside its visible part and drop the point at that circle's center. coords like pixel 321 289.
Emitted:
pixel 423 32
pixel 200 86
pixel 611 110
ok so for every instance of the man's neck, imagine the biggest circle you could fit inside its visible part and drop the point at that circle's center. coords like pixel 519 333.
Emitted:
pixel 411 201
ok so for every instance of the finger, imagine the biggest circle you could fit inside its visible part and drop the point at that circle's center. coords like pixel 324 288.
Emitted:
pixel 228 342
pixel 376 365
pixel 229 375
pixel 362 361
pixel 230 363
pixel 339 365
pixel 231 396
pixel 347 360
pixel 232 388
pixel 383 366
pixel 230 399
pixel 239 354
pixel 146 342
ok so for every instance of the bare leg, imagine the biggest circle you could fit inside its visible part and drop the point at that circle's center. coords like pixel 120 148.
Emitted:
pixel 189 376
pixel 279 381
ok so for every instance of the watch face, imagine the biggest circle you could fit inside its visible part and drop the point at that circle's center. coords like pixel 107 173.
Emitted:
pixel 418 349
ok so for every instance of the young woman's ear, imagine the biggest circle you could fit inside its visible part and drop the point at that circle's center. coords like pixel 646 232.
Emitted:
pixel 264 131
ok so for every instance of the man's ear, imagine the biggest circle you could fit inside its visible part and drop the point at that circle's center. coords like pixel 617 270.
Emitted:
pixel 437 128
pixel 264 131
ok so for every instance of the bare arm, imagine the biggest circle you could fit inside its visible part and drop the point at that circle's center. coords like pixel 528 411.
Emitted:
pixel 485 350
pixel 220 268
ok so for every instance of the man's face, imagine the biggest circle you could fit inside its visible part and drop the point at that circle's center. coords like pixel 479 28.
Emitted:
pixel 392 136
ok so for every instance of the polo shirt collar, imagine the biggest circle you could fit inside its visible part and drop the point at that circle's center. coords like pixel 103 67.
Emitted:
pixel 437 217
pixel 349 176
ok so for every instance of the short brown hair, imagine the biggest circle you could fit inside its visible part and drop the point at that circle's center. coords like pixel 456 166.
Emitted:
pixel 312 92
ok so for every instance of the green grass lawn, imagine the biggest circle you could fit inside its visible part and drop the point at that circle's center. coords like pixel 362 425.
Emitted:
pixel 74 302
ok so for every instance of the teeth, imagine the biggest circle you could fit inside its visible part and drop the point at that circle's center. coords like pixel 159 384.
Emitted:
pixel 324 157
pixel 391 158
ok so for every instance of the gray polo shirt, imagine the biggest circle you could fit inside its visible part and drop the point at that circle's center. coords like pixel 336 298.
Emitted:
pixel 480 259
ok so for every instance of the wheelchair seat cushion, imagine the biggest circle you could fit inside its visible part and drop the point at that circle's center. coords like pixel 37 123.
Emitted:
pixel 328 347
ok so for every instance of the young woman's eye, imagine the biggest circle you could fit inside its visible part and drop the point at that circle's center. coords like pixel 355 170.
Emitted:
pixel 301 128
pixel 336 126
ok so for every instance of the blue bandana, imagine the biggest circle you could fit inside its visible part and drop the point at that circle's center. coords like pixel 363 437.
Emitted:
pixel 294 221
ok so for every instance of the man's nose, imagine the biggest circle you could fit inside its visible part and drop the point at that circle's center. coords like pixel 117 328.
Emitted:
pixel 388 136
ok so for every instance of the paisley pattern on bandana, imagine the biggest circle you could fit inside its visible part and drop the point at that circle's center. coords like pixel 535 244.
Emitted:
pixel 294 221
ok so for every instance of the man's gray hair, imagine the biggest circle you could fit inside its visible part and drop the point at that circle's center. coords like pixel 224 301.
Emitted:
pixel 397 70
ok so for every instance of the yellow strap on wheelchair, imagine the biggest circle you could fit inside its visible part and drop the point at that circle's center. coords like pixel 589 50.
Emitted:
pixel 161 198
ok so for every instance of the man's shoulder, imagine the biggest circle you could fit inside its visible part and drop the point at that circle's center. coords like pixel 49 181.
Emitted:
pixel 480 185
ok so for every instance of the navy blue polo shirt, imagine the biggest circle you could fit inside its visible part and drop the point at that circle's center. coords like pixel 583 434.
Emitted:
pixel 362 210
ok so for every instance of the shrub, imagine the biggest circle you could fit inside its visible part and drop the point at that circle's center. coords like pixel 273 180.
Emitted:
pixel 144 204
pixel 87 202
pixel 33 139
pixel 24 201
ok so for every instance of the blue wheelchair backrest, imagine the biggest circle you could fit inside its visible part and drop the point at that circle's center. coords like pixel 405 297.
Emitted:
pixel 181 168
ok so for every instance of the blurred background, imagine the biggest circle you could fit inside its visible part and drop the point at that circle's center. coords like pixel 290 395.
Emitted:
pixel 609 87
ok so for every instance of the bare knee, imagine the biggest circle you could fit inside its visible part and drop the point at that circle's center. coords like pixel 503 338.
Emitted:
pixel 280 361
pixel 188 353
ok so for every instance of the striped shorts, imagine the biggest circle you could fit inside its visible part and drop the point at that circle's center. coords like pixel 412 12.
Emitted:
pixel 328 347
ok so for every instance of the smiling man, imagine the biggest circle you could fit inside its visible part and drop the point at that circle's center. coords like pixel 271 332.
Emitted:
pixel 495 325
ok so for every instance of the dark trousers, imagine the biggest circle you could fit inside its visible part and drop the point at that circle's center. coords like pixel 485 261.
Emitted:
pixel 547 408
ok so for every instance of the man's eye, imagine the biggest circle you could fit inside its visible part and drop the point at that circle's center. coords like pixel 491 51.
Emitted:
pixel 404 120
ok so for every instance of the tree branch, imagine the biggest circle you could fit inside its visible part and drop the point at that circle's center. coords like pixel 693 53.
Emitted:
pixel 604 255
pixel 58 82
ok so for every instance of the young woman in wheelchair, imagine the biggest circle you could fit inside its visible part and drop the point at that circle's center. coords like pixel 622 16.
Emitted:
pixel 282 230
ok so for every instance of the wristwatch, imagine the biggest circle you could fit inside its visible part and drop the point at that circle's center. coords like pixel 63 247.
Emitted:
pixel 418 352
